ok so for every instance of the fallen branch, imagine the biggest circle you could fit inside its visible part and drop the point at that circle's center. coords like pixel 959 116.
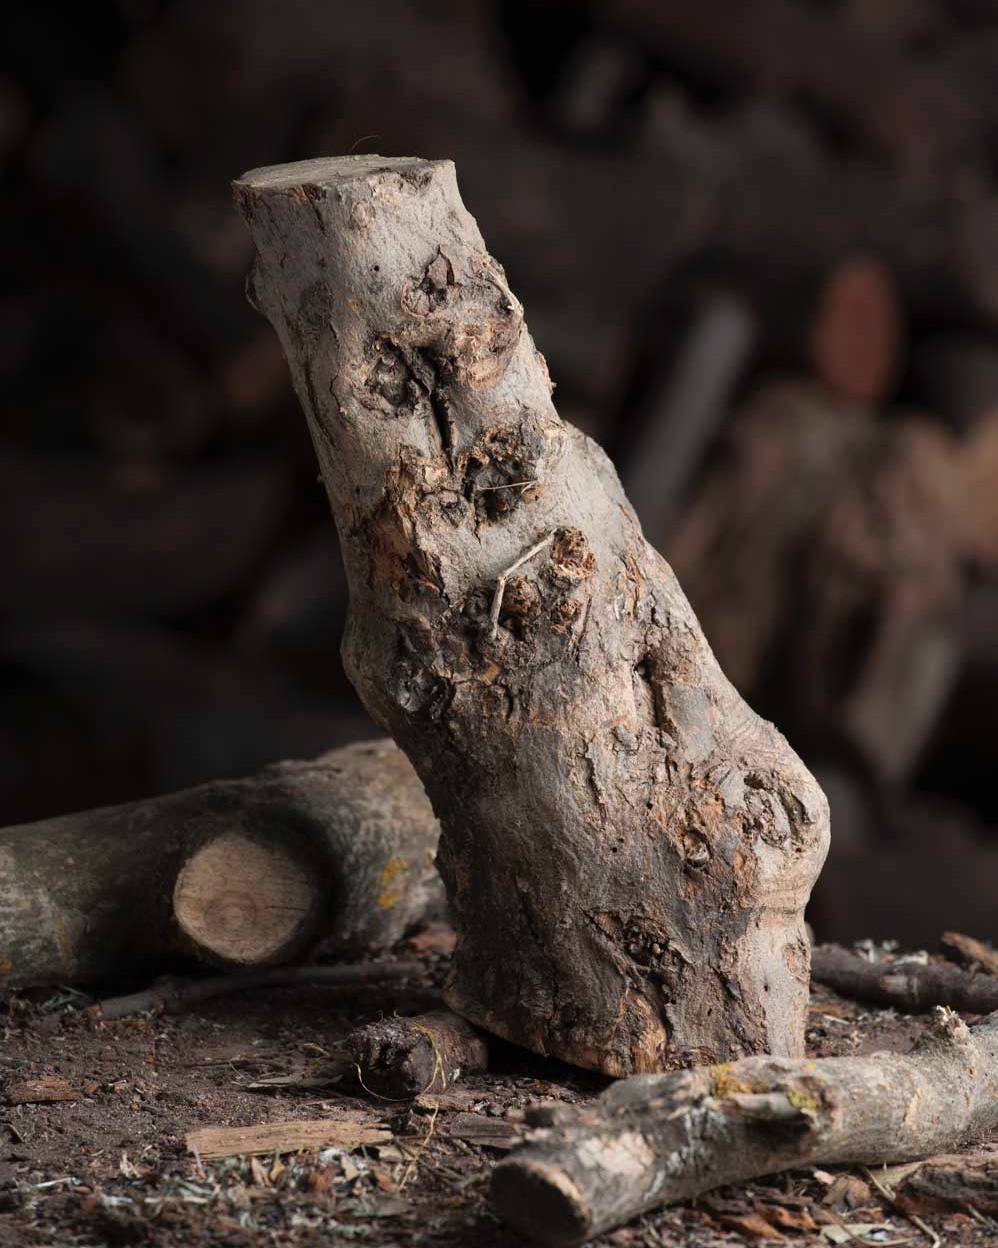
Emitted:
pixel 906 985
pixel 658 1139
pixel 174 995
pixel 402 1058
pixel 249 872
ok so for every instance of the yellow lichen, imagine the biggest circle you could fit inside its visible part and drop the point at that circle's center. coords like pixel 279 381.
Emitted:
pixel 723 1081
pixel 393 868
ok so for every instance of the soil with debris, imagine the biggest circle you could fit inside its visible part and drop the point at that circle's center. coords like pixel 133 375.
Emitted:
pixel 95 1127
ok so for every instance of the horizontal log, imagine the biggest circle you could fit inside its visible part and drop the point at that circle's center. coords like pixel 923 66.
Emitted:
pixel 658 1139
pixel 907 985
pixel 242 873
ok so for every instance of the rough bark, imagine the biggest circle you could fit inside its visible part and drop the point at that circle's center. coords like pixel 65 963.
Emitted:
pixel 907 985
pixel 240 872
pixel 656 1140
pixel 627 848
pixel 401 1058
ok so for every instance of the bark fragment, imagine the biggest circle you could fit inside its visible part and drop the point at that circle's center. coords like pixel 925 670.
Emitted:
pixel 627 848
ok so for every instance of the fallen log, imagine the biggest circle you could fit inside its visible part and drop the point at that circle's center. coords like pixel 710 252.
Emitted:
pixel 908 985
pixel 655 1140
pixel 402 1058
pixel 242 873
pixel 627 848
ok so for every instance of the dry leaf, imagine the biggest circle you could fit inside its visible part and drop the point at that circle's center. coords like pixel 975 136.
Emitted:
pixel 42 1091
pixel 847 1192
pixel 786 1217
pixel 434 938
pixel 283 1137
pixel 844 1234
pixel 752 1224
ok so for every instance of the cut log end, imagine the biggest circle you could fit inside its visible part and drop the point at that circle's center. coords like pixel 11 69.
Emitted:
pixel 243 903
pixel 541 1201
pixel 402 1058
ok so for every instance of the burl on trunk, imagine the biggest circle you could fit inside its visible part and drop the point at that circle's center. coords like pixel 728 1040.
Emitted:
pixel 627 847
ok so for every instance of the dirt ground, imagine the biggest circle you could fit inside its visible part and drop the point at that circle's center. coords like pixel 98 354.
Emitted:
pixel 111 1165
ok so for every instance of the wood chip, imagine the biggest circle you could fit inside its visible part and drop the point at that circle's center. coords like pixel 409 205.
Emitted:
pixel 485 1132
pixel 41 1091
pixel 211 1143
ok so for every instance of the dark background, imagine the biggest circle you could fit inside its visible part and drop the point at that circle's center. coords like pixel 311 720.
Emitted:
pixel 757 242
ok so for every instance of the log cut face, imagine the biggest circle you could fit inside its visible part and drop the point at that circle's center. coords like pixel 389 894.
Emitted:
pixel 627 848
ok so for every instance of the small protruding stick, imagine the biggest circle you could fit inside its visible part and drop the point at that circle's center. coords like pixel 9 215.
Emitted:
pixel 657 1139
pixel 241 873
pixel 906 985
pixel 402 1058
pixel 171 996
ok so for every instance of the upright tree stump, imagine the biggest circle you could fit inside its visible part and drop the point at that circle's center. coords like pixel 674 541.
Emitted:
pixel 627 848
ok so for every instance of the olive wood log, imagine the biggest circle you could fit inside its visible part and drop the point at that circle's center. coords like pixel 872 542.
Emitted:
pixel 402 1058
pixel 627 848
pixel 658 1139
pixel 242 873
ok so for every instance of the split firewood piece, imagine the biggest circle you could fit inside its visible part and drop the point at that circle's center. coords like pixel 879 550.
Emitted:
pixel 971 951
pixel 655 1140
pixel 627 848
pixel 908 985
pixel 212 1143
pixel 242 873
pixel 402 1058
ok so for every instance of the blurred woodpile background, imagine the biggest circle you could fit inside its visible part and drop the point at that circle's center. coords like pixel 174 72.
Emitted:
pixel 757 241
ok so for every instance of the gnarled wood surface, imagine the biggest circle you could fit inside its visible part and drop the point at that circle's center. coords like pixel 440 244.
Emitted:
pixel 627 848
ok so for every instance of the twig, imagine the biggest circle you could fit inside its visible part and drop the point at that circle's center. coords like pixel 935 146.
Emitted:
pixel 844 1226
pixel 907 985
pixel 176 995
pixel 417 1155
pixel 503 577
